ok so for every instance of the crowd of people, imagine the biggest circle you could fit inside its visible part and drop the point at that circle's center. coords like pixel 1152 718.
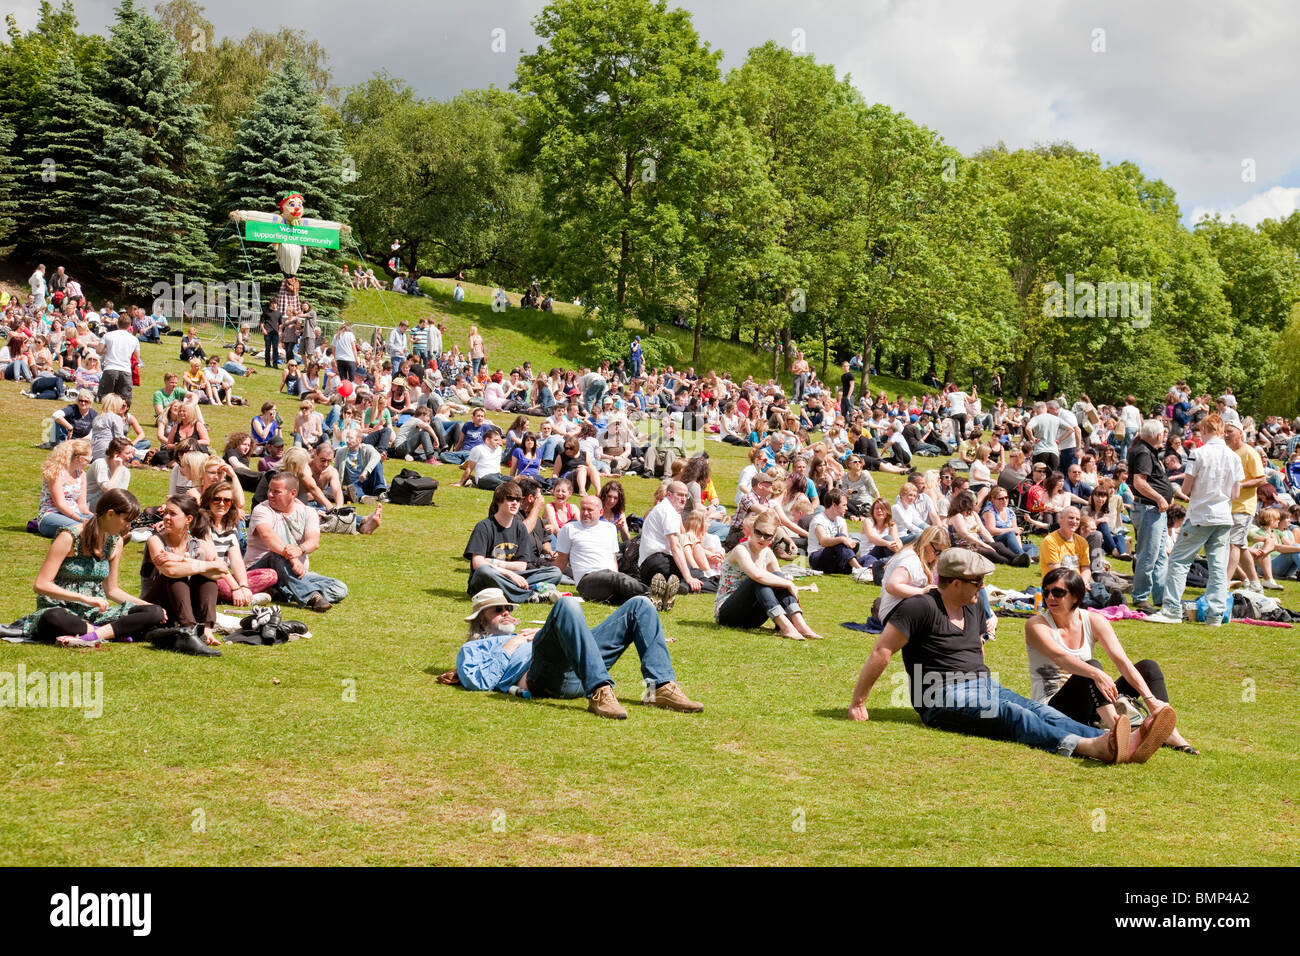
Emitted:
pixel 1100 487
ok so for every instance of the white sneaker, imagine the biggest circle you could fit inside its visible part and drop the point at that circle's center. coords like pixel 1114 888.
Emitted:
pixel 1255 587
pixel 1161 618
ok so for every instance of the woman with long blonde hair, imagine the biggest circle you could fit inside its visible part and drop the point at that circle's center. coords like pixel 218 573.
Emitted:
pixel 63 488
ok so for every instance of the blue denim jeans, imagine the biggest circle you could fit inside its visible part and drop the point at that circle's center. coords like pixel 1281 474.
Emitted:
pixel 300 589
pixel 372 484
pixel 1113 543
pixel 752 603
pixel 1214 538
pixel 52 521
pixel 490 577
pixel 571 659
pixel 981 706
pixel 1150 563
pixel 1284 564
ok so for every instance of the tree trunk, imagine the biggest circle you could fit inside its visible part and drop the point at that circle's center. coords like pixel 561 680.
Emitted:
pixel 826 349
pixel 740 318
pixel 907 366
pixel 785 345
pixel 947 368
pixel 864 380
pixel 699 321
pixel 880 355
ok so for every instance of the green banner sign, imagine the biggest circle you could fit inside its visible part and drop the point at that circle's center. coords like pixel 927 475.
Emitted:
pixel 318 237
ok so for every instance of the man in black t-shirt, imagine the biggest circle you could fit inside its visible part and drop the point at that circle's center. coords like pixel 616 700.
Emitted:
pixel 272 318
pixel 940 635
pixel 846 391
pixel 74 421
pixel 500 551
pixel 1152 496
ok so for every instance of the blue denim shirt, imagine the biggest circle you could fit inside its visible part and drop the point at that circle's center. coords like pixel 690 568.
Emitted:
pixel 483 664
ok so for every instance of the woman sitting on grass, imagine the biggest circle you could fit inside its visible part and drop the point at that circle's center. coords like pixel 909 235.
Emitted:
pixel 751 588
pixel 1062 642
pixel 180 570
pixel 63 488
pixel 240 586
pixel 911 571
pixel 79 577
pixel 109 472
pixel 613 502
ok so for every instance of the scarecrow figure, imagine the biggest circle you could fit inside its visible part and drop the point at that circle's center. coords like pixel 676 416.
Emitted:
pixel 288 254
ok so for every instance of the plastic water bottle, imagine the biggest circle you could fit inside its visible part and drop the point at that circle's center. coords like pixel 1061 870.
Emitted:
pixel 517 691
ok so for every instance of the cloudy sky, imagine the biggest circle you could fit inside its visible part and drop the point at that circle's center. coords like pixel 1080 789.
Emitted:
pixel 1198 93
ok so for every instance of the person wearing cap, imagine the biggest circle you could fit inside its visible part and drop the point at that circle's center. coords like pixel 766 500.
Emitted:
pixel 636 358
pixel 1212 480
pixel 940 636
pixel 500 550
pixel 616 441
pixel 566 658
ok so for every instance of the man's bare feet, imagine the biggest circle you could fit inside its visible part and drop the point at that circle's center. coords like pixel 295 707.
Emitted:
pixel 371 524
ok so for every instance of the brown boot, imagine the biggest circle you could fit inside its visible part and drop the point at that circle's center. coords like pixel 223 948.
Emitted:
pixel 603 703
pixel 670 697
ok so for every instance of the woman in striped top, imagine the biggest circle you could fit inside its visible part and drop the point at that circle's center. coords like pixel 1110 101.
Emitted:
pixel 241 586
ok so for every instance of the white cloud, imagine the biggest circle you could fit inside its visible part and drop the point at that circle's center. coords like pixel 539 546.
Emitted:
pixel 1276 203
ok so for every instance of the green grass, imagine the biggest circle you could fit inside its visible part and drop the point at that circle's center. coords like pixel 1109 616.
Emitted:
pixel 412 772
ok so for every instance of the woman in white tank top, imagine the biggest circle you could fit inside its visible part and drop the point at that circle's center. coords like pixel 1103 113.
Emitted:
pixel 1064 672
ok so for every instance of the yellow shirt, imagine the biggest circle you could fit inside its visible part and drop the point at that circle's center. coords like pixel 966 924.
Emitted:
pixel 1248 500
pixel 1072 554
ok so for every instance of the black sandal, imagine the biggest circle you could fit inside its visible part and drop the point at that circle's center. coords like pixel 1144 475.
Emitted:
pixel 1185 748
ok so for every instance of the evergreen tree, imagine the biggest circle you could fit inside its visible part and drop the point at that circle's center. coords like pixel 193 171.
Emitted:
pixel 148 225
pixel 283 145
pixel 7 204
pixel 59 153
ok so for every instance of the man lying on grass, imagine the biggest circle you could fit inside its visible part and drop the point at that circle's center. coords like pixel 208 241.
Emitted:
pixel 939 633
pixel 566 658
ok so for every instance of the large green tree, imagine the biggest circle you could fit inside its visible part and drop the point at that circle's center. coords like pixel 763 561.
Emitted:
pixel 283 144
pixel 617 102
pixel 438 177
pixel 7 204
pixel 148 224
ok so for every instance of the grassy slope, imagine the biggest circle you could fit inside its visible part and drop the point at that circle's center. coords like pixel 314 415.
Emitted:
pixel 411 772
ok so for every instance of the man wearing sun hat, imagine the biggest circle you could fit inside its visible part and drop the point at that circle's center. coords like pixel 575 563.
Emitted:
pixel 940 635
pixel 566 658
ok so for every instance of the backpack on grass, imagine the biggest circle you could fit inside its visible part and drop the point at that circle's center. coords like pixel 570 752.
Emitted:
pixel 412 488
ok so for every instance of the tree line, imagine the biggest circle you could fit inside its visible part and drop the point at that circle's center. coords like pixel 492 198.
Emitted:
pixel 771 205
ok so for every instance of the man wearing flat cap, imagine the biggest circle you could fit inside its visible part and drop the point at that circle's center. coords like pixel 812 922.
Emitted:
pixel 939 633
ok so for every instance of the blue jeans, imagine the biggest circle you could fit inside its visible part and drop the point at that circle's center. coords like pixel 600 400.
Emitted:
pixel 52 521
pixel 300 589
pixel 982 707
pixel 1113 543
pixel 571 659
pixel 372 484
pixel 234 368
pixel 489 577
pixel 1127 443
pixel 1284 564
pixel 1013 543
pixel 1150 562
pixel 550 445
pixel 47 386
pixel 593 394
pixel 1214 538
pixel 752 603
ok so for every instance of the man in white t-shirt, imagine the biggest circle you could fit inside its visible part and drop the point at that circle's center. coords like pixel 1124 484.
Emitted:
pixel 1069 437
pixel 957 412
pixel 1043 430
pixel 831 549
pixel 38 286
pixel 587 551
pixel 1130 417
pixel 482 469
pixel 1212 480
pixel 117 347
pixel 282 534
pixel 661 553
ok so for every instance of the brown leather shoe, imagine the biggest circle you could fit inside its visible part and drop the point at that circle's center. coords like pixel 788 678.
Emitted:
pixel 1154 732
pixel 670 697
pixel 603 703
pixel 1120 736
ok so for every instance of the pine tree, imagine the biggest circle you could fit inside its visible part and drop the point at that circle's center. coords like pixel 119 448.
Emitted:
pixel 7 204
pixel 148 225
pixel 283 145
pixel 60 152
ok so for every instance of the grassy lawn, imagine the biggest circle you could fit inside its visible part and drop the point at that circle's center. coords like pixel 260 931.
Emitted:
pixel 343 749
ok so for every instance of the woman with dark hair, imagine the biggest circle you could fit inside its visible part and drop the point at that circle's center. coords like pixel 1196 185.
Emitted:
pixel 968 531
pixel 1065 674
pixel 240 586
pixel 238 447
pixel 515 435
pixel 525 459
pixel 613 505
pixel 180 569
pixel 79 577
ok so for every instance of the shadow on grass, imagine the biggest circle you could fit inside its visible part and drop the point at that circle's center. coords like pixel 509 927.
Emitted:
pixel 451 594
pixel 883 715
